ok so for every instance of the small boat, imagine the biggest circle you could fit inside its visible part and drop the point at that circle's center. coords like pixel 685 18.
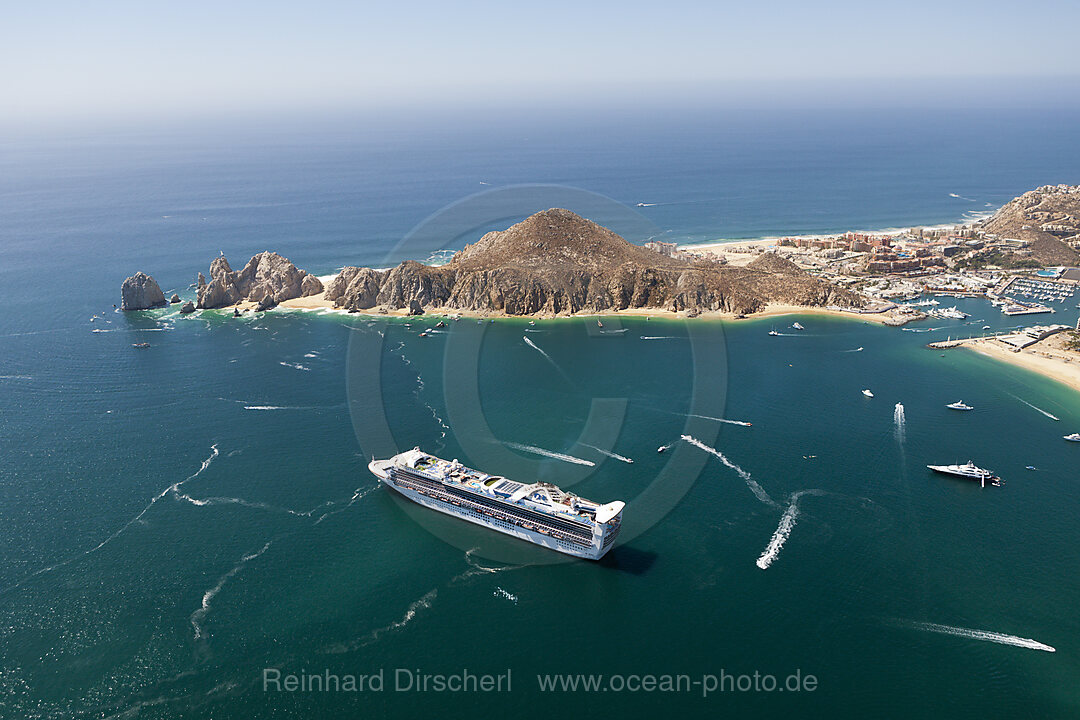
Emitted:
pixel 661 449
pixel 1030 467
pixel 986 327
pixel 773 332
pixel 440 324
pixel 599 324
pixel 968 471
pixel 141 345
pixel 423 334
pixel 798 326
pixel 959 405
pixel 867 393
pixel 1075 437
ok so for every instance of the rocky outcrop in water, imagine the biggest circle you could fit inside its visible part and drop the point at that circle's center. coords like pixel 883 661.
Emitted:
pixel 140 292
pixel 267 276
pixel 556 262
pixel 187 308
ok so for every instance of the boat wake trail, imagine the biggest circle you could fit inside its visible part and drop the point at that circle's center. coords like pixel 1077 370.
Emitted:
pixel 200 614
pixel 858 349
pixel 985 635
pixel 758 491
pixel 1052 417
pixel 960 197
pixel 414 608
pixel 549 453
pixel 783 530
pixel 172 488
pixel 661 337
pixel 900 422
pixel 547 357
pixel 360 494
pixel 500 593
pixel 296 366
pixel 723 420
pixel 610 454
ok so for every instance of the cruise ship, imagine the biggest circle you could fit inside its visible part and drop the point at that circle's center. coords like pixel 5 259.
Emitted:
pixel 538 512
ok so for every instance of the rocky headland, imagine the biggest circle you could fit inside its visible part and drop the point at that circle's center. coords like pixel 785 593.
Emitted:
pixel 558 263
pixel 267 279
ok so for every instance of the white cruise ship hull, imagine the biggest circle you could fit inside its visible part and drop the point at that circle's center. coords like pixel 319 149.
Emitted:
pixel 493 518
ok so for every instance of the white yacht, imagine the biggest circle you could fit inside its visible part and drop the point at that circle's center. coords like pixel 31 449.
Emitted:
pixel 798 326
pixel 867 393
pixel 1075 437
pixel 538 512
pixel 959 405
pixel 969 471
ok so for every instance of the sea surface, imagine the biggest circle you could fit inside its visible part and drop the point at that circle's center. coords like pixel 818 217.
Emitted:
pixel 176 519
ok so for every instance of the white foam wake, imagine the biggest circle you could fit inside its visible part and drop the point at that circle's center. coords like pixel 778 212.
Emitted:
pixel 296 366
pixel 205 464
pixel 540 350
pixel 661 337
pixel 755 488
pixel 858 349
pixel 415 607
pixel 985 635
pixel 610 454
pixel 550 453
pixel 1039 409
pixel 899 421
pixel 499 592
pixel 783 529
pixel 200 614
pixel 16 377
pixel 360 494
pixel 960 197
pixel 723 420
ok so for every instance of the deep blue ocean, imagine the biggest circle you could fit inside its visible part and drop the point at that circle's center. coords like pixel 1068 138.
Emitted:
pixel 177 519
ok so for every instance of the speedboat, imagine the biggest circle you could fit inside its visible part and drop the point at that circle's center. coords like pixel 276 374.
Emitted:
pixel 773 332
pixel 969 471
pixel 798 326
pixel 1075 437
pixel 867 393
pixel 959 405
pixel 661 449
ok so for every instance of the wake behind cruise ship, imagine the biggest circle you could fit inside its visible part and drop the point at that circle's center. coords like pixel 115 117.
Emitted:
pixel 538 512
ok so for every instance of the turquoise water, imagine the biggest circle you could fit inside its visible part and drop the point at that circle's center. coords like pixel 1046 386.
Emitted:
pixel 120 596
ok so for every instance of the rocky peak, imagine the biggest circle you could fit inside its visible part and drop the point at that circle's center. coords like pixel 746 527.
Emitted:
pixel 140 292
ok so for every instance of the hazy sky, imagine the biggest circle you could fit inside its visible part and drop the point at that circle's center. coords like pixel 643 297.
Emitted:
pixel 66 59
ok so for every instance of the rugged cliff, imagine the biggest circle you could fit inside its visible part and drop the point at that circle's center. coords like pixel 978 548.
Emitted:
pixel 139 292
pixel 1048 218
pixel 267 279
pixel 556 262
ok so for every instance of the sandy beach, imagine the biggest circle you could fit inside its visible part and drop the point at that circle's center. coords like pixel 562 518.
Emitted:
pixel 1045 357
pixel 315 303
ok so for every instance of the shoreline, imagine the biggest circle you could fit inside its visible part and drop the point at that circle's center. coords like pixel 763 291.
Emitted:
pixel 1054 367
pixel 318 303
